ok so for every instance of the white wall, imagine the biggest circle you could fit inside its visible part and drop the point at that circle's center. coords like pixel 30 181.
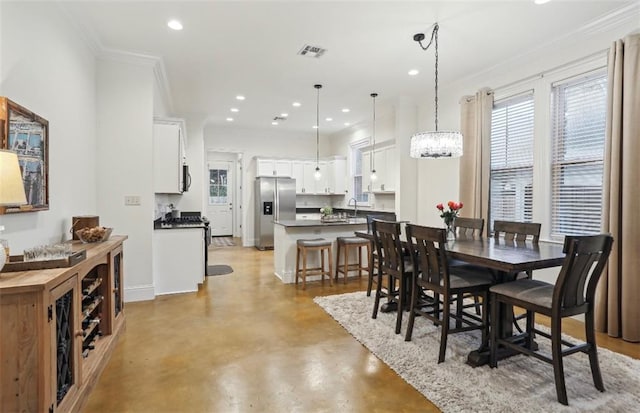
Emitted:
pixel 259 142
pixel 125 127
pixel 46 68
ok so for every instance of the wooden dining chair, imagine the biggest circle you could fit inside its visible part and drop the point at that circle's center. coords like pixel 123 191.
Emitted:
pixel 431 274
pixel 392 263
pixel 373 253
pixel 513 231
pixel 585 259
pixel 468 228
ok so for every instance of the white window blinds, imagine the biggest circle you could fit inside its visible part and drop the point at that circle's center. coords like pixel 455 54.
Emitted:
pixel 511 180
pixel 578 128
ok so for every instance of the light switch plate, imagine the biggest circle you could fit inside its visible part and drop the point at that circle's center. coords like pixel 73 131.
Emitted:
pixel 131 200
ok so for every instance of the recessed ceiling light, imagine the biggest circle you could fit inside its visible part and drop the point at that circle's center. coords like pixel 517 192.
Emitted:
pixel 240 97
pixel 174 24
pixel 229 119
pixel 329 119
pixel 541 1
pixel 347 124
pixel 315 126
pixel 346 110
pixel 413 72
pixel 234 110
pixel 274 123
pixel 296 104
pixel 284 115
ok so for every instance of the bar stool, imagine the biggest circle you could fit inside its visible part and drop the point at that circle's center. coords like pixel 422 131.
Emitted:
pixel 303 247
pixel 345 245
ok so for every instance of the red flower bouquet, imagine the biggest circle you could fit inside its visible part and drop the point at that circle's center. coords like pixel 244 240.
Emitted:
pixel 450 214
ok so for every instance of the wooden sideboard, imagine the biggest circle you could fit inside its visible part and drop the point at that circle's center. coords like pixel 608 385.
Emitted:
pixel 58 328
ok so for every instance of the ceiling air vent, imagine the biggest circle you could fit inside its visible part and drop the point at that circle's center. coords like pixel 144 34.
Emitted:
pixel 279 118
pixel 311 51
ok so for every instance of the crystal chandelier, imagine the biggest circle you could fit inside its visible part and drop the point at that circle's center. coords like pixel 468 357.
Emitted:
pixel 435 144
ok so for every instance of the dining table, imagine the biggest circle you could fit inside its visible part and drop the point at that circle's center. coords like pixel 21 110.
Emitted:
pixel 505 260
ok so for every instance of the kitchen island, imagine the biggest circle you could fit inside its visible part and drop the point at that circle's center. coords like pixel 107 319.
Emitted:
pixel 287 232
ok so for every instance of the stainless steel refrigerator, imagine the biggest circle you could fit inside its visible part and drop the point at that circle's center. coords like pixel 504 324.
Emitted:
pixel 275 200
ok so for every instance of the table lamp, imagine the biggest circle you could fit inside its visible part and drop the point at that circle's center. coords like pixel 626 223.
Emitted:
pixel 11 189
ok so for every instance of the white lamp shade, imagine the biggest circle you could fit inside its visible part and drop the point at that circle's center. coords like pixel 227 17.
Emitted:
pixel 436 144
pixel 11 185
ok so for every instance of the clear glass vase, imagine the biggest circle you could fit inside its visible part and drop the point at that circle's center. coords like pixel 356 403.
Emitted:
pixel 451 234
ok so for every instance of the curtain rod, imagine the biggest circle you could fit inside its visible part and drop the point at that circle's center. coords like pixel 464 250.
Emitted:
pixel 593 56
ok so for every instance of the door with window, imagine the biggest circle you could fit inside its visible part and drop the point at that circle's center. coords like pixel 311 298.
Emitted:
pixel 220 205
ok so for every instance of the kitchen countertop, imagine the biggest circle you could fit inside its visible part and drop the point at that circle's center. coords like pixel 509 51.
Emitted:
pixel 318 223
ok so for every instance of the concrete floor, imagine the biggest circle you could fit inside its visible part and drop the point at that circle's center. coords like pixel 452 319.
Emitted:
pixel 247 342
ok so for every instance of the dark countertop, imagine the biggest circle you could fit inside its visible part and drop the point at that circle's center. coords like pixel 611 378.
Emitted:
pixel 318 223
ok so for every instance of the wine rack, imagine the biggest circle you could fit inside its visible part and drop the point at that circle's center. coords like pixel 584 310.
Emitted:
pixel 64 345
pixel 91 319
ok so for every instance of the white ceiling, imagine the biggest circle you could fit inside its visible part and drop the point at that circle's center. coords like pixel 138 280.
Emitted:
pixel 250 48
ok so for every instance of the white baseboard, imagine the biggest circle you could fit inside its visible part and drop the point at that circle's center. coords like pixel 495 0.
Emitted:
pixel 139 293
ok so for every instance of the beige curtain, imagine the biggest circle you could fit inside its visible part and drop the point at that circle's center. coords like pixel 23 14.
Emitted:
pixel 618 295
pixel 475 125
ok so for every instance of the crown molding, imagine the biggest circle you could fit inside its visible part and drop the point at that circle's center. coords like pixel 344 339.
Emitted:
pixel 626 15
pixel 92 41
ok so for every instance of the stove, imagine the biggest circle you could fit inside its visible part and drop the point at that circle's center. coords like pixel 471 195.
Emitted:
pixel 186 220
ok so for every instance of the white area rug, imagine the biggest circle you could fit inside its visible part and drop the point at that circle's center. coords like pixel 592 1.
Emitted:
pixel 520 383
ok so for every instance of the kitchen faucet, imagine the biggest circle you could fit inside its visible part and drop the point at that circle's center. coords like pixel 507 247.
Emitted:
pixel 355 206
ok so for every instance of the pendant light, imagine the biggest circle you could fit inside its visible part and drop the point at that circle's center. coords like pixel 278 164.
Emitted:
pixel 317 174
pixel 374 176
pixel 435 144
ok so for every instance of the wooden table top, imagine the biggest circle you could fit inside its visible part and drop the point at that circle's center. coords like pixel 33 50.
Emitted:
pixel 501 255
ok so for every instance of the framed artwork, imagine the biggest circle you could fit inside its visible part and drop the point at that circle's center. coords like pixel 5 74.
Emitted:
pixel 27 134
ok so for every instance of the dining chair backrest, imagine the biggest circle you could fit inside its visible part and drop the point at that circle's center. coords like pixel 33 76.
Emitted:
pixel 428 254
pixel 468 227
pixel 386 217
pixel 585 259
pixel 386 236
pixel 516 231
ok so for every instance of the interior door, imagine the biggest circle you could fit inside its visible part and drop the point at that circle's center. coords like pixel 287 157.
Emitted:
pixel 220 205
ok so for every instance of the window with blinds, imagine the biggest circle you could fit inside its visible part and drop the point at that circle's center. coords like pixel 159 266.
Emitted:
pixel 511 179
pixel 578 128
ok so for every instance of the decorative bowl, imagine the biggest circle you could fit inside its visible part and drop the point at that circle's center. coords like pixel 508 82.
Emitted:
pixel 95 234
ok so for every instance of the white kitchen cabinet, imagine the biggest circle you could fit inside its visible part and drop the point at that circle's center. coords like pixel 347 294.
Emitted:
pixel 273 167
pixel 168 157
pixel 178 260
pixel 366 171
pixel 297 173
pixel 337 176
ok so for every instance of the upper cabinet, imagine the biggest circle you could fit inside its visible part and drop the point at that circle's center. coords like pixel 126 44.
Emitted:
pixel 168 156
pixel 273 167
pixel 385 164
pixel 332 180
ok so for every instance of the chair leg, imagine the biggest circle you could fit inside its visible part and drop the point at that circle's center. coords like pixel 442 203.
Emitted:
pixel 297 264
pixel 593 350
pixel 376 302
pixel 558 365
pixel 371 273
pixel 346 262
pixel 401 304
pixel 459 310
pixel 412 307
pixel 304 269
pixel 338 260
pixel 530 324
pixel 477 304
pixel 330 259
pixel 446 308
pixel 493 351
